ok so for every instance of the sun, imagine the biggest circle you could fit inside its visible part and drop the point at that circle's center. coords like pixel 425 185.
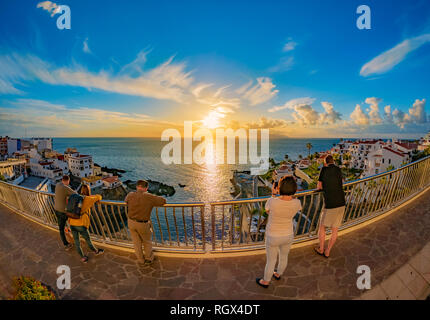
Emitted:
pixel 212 120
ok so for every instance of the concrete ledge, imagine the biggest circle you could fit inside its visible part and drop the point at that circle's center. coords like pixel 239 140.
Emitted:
pixel 410 282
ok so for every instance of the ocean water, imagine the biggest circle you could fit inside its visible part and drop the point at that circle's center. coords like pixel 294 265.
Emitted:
pixel 141 158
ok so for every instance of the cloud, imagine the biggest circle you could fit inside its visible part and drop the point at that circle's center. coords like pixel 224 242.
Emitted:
pixel 416 114
pixel 289 46
pixel 417 111
pixel 267 123
pixel 85 47
pixel 43 116
pixel 374 115
pixel 168 80
pixel 292 103
pixel 359 117
pixel 389 59
pixel 284 64
pixel 261 92
pixel 49 6
pixel 330 116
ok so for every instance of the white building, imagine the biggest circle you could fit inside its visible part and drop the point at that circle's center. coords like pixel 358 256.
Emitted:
pixel 80 165
pixel 41 143
pixel 46 169
pixel 424 142
pixel 359 151
pixel 378 161
pixel 93 181
pixel 13 145
pixel 282 171
pixel 111 182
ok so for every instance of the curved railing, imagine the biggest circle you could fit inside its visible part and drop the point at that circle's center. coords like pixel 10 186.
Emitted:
pixel 234 225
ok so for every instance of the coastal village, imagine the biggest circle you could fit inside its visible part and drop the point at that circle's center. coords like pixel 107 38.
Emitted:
pixel 33 163
pixel 358 158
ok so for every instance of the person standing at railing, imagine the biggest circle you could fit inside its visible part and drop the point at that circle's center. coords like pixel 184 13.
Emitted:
pixel 80 226
pixel 140 204
pixel 331 183
pixel 279 230
pixel 62 191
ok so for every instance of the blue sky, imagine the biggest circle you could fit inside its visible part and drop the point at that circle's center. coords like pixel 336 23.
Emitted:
pixel 135 68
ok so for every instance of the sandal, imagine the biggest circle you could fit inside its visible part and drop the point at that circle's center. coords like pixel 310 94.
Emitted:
pixel 260 284
pixel 277 278
pixel 319 252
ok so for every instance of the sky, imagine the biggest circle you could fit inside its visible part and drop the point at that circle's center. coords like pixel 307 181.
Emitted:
pixel 136 68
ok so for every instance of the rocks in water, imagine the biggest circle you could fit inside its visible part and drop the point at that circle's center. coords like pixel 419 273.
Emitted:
pixel 155 187
pixel 114 171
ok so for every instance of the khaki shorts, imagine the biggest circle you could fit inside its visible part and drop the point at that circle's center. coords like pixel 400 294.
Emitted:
pixel 332 218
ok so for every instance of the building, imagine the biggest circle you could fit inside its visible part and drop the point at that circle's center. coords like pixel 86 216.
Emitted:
pixel 359 151
pixel 41 143
pixel 3 147
pixel 111 182
pixel 380 160
pixel 13 169
pixel 80 165
pixel 46 169
pixel 303 164
pixel 424 142
pixel 93 181
pixel 13 145
pixel 282 171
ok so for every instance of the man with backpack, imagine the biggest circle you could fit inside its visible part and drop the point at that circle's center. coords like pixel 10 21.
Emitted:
pixel 62 191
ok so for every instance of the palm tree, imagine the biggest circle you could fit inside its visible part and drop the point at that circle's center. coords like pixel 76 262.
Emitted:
pixel 286 157
pixel 309 146
pixel 300 157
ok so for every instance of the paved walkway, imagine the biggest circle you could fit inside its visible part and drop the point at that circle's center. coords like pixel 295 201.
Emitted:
pixel 385 246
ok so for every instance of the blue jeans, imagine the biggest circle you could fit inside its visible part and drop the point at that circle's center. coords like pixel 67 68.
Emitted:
pixel 62 219
pixel 76 231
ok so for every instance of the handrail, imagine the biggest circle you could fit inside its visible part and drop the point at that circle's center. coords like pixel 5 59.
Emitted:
pixel 229 225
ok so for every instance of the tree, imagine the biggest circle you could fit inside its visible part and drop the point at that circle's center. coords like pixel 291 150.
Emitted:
pixel 300 157
pixel 390 167
pixel 2 178
pixel 286 157
pixel 309 147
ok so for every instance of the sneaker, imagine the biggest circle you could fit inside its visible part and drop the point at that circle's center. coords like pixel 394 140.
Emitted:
pixel 68 247
pixel 149 261
pixel 84 259
pixel 99 251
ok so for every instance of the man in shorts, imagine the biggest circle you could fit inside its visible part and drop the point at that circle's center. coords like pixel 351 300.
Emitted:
pixel 331 183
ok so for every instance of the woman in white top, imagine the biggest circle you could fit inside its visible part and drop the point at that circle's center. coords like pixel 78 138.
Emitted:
pixel 279 230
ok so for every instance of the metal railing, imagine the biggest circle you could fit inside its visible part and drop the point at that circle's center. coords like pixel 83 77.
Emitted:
pixel 234 225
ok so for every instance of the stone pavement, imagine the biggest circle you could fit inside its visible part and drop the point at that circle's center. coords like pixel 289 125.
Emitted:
pixel 385 246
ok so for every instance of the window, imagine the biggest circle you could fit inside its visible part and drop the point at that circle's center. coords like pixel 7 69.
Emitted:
pixel 389 161
pixel 377 171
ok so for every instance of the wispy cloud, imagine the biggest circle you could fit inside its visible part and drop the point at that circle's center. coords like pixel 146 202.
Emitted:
pixel 49 6
pixel 261 92
pixel 292 103
pixel 168 80
pixel 290 45
pixel 85 47
pixel 389 59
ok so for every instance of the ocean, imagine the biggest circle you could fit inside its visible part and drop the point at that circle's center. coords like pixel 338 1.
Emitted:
pixel 141 159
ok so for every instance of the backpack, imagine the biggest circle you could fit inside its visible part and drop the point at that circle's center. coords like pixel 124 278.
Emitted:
pixel 74 205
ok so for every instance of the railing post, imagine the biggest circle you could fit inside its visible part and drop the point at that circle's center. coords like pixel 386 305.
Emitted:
pixel 213 225
pixel 202 214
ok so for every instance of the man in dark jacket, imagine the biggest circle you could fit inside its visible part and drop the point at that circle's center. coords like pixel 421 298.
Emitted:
pixel 62 192
pixel 140 205
pixel 331 183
